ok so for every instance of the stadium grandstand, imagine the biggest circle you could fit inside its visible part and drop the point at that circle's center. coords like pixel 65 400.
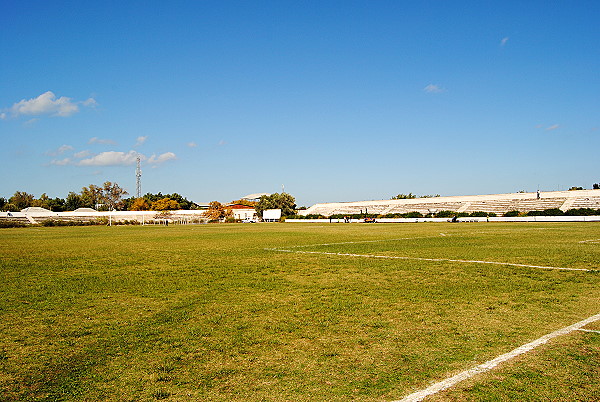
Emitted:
pixel 498 204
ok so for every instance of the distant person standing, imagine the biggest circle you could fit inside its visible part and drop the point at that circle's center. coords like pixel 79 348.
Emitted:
pixel 538 194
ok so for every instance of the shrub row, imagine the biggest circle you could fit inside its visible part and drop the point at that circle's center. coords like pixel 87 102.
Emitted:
pixel 557 212
pixel 12 224
pixel 414 214
pixel 56 222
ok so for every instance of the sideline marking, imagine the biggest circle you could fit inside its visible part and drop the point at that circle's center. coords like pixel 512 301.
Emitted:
pixel 449 382
pixel 427 259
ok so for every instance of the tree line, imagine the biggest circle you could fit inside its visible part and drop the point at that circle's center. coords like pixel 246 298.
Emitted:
pixel 108 196
pixel 111 196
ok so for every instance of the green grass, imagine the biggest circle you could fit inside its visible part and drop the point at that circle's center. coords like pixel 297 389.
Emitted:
pixel 205 312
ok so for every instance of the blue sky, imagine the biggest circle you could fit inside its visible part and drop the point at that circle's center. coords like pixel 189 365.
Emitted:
pixel 338 100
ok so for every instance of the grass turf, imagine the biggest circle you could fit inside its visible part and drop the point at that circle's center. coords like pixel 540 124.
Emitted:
pixel 205 312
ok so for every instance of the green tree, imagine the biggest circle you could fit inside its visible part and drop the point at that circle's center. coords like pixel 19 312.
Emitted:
pixel 21 200
pixel 3 202
pixel 56 204
pixel 41 202
pixel 284 201
pixel 73 201
pixel 91 196
pixel 11 207
pixel 404 196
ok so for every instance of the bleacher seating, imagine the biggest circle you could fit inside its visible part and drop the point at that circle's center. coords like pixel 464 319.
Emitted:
pixel 496 203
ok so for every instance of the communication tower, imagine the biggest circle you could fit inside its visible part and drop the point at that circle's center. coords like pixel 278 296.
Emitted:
pixel 138 178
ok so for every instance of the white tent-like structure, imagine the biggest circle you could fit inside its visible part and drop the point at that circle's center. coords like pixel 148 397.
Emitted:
pixel 254 197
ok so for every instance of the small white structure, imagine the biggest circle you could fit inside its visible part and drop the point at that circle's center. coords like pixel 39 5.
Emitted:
pixel 243 213
pixel 271 215
pixel 254 197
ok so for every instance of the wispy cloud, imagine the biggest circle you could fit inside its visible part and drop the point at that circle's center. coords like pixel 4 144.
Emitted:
pixel 192 144
pixel 140 140
pixel 162 158
pixel 503 41
pixel 60 150
pixel 31 122
pixel 553 127
pixel 110 158
pixel 82 154
pixel 61 162
pixel 46 104
pixel 96 140
pixel 433 89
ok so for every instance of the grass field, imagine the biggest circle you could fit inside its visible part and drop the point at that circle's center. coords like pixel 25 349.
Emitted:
pixel 297 311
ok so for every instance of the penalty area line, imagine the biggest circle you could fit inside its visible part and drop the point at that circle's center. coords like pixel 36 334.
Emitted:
pixel 391 257
pixel 449 382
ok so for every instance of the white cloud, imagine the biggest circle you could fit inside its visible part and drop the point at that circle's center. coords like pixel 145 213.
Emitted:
pixel 192 144
pixel 140 140
pixel 60 150
pixel 82 154
pixel 96 140
pixel 46 103
pixel 553 127
pixel 110 158
pixel 504 40
pixel 432 89
pixel 162 158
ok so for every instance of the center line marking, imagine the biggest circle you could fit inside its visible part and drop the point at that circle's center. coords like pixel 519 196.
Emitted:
pixel 449 382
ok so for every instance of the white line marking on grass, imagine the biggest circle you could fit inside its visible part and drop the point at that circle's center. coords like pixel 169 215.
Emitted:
pixel 449 382
pixel 362 241
pixel 590 241
pixel 426 259
pixel 588 330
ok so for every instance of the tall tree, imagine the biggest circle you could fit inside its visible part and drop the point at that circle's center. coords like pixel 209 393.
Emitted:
pixel 73 201
pixel 21 199
pixel 113 194
pixel 284 201
pixel 91 196
pixel 56 204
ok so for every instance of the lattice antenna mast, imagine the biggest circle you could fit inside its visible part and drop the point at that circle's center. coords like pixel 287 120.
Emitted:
pixel 138 178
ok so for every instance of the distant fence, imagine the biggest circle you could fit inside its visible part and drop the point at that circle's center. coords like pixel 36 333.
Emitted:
pixel 562 218
pixel 149 217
